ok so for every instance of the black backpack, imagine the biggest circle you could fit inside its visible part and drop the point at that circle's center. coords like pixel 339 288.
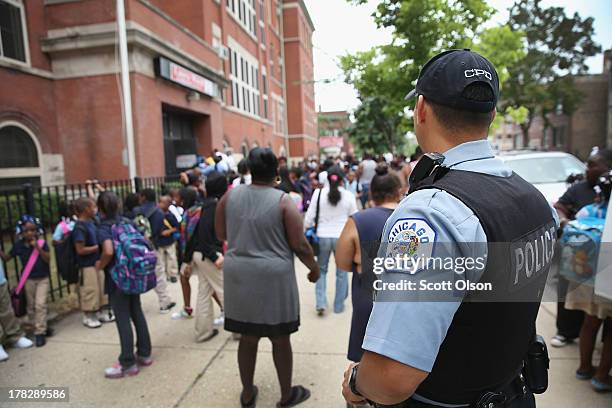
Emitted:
pixel 66 258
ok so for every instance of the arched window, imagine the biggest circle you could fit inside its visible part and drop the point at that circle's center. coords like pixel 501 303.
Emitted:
pixel 17 149
pixel 19 155
pixel 244 150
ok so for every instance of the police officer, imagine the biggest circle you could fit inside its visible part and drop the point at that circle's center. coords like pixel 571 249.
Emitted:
pixel 436 341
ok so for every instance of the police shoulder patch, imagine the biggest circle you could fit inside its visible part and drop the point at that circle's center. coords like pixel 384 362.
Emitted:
pixel 411 237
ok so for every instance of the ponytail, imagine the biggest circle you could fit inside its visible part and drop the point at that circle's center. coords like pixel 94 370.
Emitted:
pixel 334 176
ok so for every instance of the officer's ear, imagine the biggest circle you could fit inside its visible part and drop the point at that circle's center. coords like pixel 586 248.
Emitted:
pixel 419 110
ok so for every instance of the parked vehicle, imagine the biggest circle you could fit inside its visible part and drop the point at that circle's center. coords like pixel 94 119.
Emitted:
pixel 547 171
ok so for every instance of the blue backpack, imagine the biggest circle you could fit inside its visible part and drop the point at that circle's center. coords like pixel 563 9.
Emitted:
pixel 135 259
pixel 580 244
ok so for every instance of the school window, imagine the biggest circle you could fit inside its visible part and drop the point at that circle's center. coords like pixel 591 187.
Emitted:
pixel 243 75
pixel 244 12
pixel 12 30
pixel 265 106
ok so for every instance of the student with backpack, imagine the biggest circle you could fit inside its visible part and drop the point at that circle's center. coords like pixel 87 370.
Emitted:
pixel 91 280
pixel 33 252
pixel 128 261
pixel 204 256
pixel 191 217
pixel 166 244
pixel 65 253
pixel 581 243
pixel 148 212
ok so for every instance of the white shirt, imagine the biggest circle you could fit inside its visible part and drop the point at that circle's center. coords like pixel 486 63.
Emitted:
pixel 331 217
pixel 247 180
pixel 323 178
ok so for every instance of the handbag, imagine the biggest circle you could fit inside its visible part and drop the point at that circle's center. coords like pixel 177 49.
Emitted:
pixel 311 233
pixel 18 297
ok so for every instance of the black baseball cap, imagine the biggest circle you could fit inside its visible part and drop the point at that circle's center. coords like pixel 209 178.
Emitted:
pixel 445 76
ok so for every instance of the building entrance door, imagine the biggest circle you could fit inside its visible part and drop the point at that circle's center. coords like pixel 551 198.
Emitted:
pixel 180 147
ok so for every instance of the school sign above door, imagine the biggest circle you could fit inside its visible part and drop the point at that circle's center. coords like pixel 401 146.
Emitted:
pixel 185 77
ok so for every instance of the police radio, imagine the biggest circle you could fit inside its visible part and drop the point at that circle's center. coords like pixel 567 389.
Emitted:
pixel 429 164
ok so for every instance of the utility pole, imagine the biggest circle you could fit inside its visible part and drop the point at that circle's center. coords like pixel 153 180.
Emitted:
pixel 126 90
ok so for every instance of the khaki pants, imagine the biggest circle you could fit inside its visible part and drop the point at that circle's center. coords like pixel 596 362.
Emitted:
pixel 166 256
pixel 91 290
pixel 10 331
pixel 210 280
pixel 162 282
pixel 37 291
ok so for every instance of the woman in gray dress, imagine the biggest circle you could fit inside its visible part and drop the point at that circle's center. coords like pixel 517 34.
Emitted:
pixel 264 230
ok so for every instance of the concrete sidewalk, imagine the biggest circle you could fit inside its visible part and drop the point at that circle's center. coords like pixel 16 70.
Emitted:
pixel 186 374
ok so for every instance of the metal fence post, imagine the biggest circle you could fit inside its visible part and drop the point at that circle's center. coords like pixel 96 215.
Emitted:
pixel 138 183
pixel 28 196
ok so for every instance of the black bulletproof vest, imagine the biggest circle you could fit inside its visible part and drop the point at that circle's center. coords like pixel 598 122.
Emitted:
pixel 491 331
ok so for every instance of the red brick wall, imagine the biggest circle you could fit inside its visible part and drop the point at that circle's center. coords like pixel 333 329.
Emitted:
pixel 79 13
pixel 89 122
pixel 30 100
pixel 35 22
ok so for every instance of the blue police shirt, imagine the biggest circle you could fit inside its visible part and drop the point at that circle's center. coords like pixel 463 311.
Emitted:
pixel 412 332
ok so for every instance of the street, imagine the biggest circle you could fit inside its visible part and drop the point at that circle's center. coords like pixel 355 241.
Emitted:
pixel 186 374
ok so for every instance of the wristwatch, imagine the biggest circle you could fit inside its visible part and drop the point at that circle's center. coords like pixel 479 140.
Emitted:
pixel 353 381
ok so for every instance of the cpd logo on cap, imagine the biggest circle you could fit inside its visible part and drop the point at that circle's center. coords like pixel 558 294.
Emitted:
pixel 469 73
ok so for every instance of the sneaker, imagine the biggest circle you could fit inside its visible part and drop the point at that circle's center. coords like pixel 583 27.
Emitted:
pixel 186 313
pixel 116 371
pixel 560 341
pixel 601 386
pixel 106 316
pixel 173 279
pixel 144 361
pixel 320 312
pixel 40 340
pixel 3 354
pixel 166 309
pixel 23 343
pixel 91 322
pixel 219 320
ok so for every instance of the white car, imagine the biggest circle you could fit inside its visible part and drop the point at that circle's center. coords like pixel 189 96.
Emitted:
pixel 547 171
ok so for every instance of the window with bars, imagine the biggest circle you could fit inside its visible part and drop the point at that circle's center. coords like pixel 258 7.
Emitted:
pixel 12 30
pixel 244 12
pixel 245 83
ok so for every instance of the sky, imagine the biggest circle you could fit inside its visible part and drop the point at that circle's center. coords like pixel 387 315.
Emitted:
pixel 341 28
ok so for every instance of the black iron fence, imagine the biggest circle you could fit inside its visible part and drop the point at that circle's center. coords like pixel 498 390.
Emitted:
pixel 45 203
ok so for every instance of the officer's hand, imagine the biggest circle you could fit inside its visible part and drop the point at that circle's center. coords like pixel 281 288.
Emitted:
pixel 346 390
pixel 314 274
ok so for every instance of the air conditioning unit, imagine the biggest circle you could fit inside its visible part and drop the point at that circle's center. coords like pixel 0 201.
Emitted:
pixel 224 52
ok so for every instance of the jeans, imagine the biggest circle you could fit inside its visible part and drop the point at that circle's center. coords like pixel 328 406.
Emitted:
pixel 326 247
pixel 128 310
pixel 365 195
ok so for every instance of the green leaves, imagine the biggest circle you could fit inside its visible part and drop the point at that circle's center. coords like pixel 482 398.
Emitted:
pixel 383 75
pixel 556 46
pixel 534 52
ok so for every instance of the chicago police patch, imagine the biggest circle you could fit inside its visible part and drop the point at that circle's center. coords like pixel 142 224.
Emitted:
pixel 411 237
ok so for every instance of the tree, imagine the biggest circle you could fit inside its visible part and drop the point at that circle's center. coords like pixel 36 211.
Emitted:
pixel 377 129
pixel 421 29
pixel 557 47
